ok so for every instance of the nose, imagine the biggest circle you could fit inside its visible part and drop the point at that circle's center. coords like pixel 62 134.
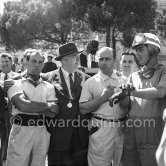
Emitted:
pixel 127 64
pixel 37 64
pixel 4 63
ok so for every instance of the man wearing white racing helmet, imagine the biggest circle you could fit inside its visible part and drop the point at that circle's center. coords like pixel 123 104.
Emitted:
pixel 145 124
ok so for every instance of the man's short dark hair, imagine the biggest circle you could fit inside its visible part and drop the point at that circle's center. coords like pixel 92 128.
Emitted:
pixel 6 55
pixel 34 51
pixel 130 53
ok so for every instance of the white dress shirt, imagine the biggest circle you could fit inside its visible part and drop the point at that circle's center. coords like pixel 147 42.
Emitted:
pixel 66 77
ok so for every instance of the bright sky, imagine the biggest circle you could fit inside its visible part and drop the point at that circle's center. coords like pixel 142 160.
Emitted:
pixel 2 4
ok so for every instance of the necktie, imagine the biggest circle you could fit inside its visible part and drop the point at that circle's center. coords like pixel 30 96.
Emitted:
pixel 71 84
pixel 6 77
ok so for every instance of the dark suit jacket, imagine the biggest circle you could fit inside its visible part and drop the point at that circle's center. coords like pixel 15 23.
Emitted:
pixel 49 66
pixel 61 134
pixel 2 106
pixel 83 60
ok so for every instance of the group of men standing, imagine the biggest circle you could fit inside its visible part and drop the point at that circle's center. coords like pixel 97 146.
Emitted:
pixel 79 125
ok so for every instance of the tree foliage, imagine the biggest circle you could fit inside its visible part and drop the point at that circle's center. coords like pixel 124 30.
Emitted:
pixel 116 18
pixel 26 21
pixel 59 21
pixel 161 24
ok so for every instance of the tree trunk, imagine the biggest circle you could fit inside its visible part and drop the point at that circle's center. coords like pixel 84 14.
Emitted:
pixel 113 40
pixel 108 36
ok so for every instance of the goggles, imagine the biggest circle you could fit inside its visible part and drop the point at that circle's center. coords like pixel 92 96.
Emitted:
pixel 147 74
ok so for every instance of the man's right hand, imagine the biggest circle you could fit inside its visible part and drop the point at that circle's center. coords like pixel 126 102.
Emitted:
pixel 8 83
pixel 107 93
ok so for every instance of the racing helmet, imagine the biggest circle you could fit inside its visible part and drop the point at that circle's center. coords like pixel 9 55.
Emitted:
pixel 146 38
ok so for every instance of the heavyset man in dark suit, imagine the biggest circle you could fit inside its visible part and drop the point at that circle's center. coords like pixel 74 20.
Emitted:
pixel 69 137
pixel 3 131
pixel 6 73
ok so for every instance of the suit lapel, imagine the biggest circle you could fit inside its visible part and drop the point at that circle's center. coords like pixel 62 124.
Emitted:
pixel 60 80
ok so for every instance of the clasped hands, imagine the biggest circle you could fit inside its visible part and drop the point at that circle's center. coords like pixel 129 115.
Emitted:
pixel 126 90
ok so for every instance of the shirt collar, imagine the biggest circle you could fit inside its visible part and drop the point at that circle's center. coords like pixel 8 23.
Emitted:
pixel 35 83
pixel 105 77
pixel 9 74
pixel 66 73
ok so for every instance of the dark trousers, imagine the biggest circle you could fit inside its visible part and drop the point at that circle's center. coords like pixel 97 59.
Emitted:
pixel 140 143
pixel 3 146
pixel 75 155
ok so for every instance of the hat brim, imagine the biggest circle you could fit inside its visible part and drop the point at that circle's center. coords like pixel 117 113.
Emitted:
pixel 59 58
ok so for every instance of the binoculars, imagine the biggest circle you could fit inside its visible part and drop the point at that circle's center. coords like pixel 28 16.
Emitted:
pixel 120 96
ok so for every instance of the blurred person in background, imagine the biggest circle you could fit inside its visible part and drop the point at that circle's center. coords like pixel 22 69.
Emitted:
pixel 128 63
pixel 6 65
pixel 6 73
pixel 23 65
pixel 92 48
pixel 16 65
pixel 3 128
pixel 83 59
pixel 49 65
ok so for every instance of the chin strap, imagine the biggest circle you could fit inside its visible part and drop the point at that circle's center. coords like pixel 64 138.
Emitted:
pixel 150 57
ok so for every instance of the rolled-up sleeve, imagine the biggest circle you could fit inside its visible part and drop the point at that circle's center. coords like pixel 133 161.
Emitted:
pixel 51 95
pixel 14 90
pixel 86 94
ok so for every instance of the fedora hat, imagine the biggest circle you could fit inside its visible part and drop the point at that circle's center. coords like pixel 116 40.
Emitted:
pixel 66 49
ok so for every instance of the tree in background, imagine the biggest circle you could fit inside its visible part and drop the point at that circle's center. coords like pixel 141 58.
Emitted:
pixel 27 21
pixel 115 18
pixel 161 24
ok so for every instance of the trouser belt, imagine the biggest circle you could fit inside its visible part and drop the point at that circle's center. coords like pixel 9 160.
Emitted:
pixel 111 120
pixel 28 120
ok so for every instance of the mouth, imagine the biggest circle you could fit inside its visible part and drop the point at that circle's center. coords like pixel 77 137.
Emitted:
pixel 127 68
pixel 36 70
